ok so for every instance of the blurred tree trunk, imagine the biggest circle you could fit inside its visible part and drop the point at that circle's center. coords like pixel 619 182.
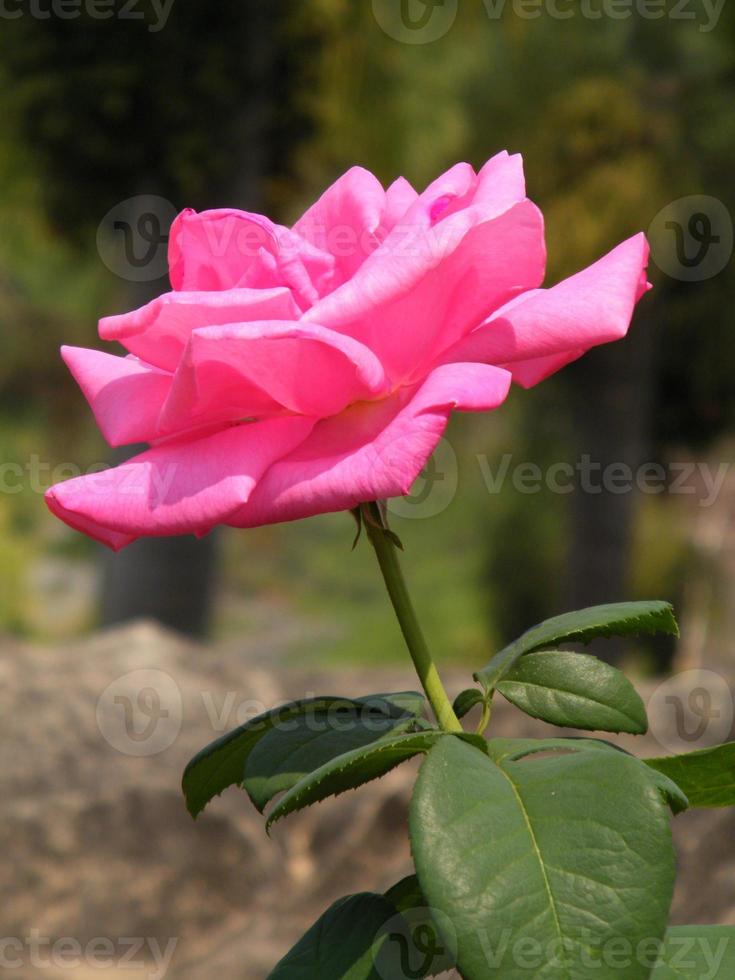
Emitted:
pixel 167 579
pixel 172 579
pixel 611 401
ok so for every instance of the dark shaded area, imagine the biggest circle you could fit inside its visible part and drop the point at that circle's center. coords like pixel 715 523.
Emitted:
pixel 202 113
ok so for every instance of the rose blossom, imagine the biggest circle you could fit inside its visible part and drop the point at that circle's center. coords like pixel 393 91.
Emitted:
pixel 293 372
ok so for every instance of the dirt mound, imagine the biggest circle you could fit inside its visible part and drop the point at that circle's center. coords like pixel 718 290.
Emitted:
pixel 100 852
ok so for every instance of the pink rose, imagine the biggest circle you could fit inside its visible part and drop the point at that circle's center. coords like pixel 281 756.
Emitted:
pixel 292 372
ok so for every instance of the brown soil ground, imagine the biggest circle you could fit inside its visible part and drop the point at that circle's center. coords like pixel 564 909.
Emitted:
pixel 97 843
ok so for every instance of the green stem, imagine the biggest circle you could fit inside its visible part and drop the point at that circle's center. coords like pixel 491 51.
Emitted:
pixel 487 710
pixel 386 553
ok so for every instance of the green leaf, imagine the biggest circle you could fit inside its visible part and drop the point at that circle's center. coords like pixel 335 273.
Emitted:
pixel 582 626
pixel 339 946
pixel 671 792
pixel 503 750
pixel 697 953
pixel 406 894
pixel 352 769
pixel 409 702
pixel 222 763
pixel 574 690
pixel 467 700
pixel 287 753
pixel 550 853
pixel 707 776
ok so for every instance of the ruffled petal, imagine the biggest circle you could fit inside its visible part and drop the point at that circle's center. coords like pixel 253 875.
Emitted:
pixel 251 370
pixel 125 394
pixel 501 183
pixel 371 451
pixel 456 184
pixel 538 369
pixel 159 331
pixel 537 334
pixel 415 297
pixel 399 198
pixel 212 250
pixel 177 488
pixel 226 248
pixel 498 186
pixel 346 221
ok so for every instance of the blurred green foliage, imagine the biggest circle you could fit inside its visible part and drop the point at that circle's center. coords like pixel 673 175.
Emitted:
pixel 615 120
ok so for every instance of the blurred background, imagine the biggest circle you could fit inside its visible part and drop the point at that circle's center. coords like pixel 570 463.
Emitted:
pixel 110 126
pixel 113 117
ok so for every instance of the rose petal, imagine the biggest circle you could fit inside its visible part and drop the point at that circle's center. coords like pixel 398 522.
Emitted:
pixel 399 197
pixel 371 451
pixel 539 333
pixel 345 221
pixel 410 301
pixel 501 183
pixel 456 184
pixel 258 369
pixel 498 186
pixel 537 369
pixel 125 395
pixel 226 248
pixel 212 250
pixel 177 488
pixel 159 331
